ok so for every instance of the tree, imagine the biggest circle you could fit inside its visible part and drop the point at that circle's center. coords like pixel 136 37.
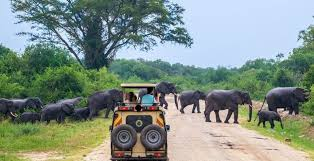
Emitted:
pixel 283 78
pixel 97 29
pixel 41 56
pixel 309 78
pixel 4 50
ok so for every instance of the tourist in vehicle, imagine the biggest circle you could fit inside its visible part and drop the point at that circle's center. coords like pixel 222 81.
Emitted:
pixel 148 99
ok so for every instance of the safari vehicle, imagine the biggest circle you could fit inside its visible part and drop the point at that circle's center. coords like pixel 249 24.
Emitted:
pixel 138 131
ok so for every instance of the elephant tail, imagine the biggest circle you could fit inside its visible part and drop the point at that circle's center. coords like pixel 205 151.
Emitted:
pixel 260 109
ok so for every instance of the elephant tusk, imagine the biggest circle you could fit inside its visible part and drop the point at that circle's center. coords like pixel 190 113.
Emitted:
pixel 14 115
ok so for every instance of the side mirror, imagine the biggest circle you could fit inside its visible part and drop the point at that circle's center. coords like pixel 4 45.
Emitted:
pixel 168 127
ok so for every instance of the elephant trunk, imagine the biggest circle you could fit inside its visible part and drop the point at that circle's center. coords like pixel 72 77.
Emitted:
pixel 250 112
pixel 176 100
pixel 279 119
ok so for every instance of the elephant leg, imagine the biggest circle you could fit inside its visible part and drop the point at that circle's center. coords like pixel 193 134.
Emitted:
pixel 272 125
pixel 264 124
pixel 107 112
pixel 182 108
pixel 194 107
pixel 207 112
pixel 217 116
pixel 166 105
pixel 163 102
pixel 235 115
pixel 91 113
pixel 290 110
pixel 228 116
pixel 47 122
pixel 259 122
pixel 296 109
pixel 197 105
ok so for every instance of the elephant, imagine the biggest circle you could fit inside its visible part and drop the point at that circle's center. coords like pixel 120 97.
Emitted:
pixel 104 99
pixel 191 97
pixel 72 101
pixel 7 108
pixel 80 113
pixel 264 115
pixel 164 88
pixel 226 99
pixel 56 111
pixel 31 102
pixel 26 117
pixel 286 97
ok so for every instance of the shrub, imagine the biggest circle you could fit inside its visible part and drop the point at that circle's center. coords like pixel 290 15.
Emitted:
pixel 308 107
pixel 8 89
pixel 59 83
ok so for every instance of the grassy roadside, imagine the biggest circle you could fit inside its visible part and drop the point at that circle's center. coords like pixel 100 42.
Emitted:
pixel 70 140
pixel 298 129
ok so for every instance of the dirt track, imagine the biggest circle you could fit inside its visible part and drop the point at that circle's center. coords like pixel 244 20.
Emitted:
pixel 192 139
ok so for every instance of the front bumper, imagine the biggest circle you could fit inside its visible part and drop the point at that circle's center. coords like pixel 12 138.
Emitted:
pixel 142 158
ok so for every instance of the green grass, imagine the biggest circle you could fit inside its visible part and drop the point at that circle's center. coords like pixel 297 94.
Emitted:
pixel 72 139
pixel 297 129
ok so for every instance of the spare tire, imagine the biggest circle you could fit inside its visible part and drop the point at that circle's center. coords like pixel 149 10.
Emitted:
pixel 153 137
pixel 124 137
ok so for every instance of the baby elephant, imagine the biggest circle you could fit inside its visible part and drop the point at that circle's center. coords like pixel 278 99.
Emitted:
pixel 270 116
pixel 29 117
pixel 80 113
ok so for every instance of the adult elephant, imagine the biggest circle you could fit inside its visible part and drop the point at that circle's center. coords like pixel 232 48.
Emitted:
pixel 164 88
pixel 218 100
pixel 104 99
pixel 31 102
pixel 286 97
pixel 56 111
pixel 72 101
pixel 7 108
pixel 191 97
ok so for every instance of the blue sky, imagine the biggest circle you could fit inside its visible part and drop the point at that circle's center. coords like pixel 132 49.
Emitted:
pixel 225 32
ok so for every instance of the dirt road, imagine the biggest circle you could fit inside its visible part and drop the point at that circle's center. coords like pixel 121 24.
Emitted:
pixel 192 139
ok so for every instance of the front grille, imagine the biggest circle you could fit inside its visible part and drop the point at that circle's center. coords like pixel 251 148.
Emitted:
pixel 138 122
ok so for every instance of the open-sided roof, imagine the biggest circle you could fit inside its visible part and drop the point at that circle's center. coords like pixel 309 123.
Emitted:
pixel 137 85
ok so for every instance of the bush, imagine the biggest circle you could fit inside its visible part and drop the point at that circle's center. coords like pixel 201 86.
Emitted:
pixel 308 107
pixel 9 89
pixel 309 78
pixel 59 83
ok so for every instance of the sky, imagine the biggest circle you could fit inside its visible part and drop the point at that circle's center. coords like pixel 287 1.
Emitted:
pixel 225 32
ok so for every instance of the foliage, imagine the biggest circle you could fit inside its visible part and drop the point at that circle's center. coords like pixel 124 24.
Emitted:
pixel 9 89
pixel 98 29
pixel 309 78
pixel 282 78
pixel 308 107
pixel 59 83
pixel 41 56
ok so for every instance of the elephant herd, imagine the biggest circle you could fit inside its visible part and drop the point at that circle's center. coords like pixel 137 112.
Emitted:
pixel 288 98
pixel 61 109
pixel 216 100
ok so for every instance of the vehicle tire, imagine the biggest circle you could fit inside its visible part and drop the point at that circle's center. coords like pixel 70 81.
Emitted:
pixel 153 137
pixel 124 137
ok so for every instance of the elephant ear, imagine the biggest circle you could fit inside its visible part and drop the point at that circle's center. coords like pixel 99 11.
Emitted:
pixel 237 97
pixel 197 94
pixel 162 87
pixel 68 109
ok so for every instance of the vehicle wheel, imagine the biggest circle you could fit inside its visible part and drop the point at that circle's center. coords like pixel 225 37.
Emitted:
pixel 153 137
pixel 124 137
